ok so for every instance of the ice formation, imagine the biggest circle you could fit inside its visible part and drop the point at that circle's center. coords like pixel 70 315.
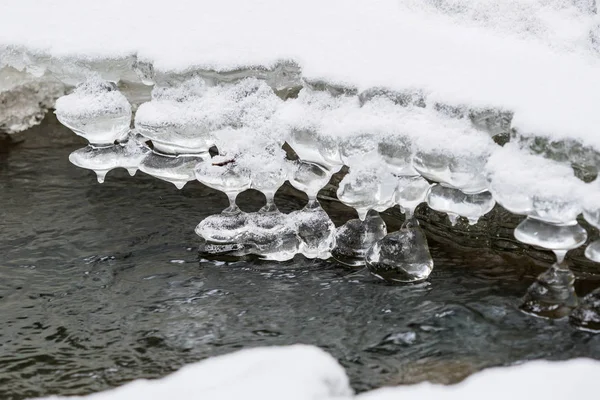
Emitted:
pixel 399 148
pixel 426 123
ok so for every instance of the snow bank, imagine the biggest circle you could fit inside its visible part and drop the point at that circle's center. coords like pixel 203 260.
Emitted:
pixel 274 373
pixel 303 372
pixel 534 380
pixel 537 58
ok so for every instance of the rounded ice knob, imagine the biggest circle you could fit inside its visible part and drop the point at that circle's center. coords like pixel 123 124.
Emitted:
pixel 402 256
pixel 97 111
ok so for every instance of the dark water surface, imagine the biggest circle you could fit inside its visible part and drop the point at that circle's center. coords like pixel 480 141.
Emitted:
pixel 102 284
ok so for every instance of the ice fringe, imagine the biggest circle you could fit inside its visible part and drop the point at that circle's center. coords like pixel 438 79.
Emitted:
pixel 463 76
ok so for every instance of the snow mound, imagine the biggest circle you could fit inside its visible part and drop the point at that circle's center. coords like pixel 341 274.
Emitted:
pixel 303 372
pixel 538 379
pixel 296 372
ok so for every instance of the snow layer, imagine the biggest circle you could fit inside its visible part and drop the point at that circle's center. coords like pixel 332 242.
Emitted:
pixel 537 58
pixel 534 380
pixel 303 372
pixel 274 373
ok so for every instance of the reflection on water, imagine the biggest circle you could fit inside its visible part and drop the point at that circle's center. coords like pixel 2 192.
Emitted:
pixel 101 284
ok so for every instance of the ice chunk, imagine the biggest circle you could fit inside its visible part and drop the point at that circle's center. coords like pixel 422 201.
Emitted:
pixel 532 185
pixel 101 160
pixel 315 230
pixel 456 157
pixel 591 213
pixel 171 119
pixel 410 192
pixel 355 237
pixel 456 203
pixel 178 170
pixel 368 187
pixel 313 147
pixel 272 236
pixel 224 174
pixel 550 236
pixel 303 120
pixel 396 150
pixel 552 295
pixel 309 178
pixel 268 167
pixel 97 111
pixel 401 256
pixel 224 228
pixel 405 98
pixel 592 251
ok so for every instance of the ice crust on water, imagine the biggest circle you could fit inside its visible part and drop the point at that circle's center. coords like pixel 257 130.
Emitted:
pixel 463 71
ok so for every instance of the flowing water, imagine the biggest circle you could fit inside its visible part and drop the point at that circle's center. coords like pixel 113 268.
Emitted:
pixel 102 284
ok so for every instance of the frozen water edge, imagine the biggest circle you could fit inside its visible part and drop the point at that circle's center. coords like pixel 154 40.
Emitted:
pixel 303 372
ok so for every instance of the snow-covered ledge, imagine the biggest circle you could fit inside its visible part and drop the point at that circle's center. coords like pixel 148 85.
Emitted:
pixel 482 53
pixel 415 97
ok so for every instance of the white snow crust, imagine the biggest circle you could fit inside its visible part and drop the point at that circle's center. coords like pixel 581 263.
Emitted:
pixel 538 58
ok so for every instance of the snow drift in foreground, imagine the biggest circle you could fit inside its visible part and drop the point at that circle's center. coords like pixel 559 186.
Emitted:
pixel 303 372
pixel 273 373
